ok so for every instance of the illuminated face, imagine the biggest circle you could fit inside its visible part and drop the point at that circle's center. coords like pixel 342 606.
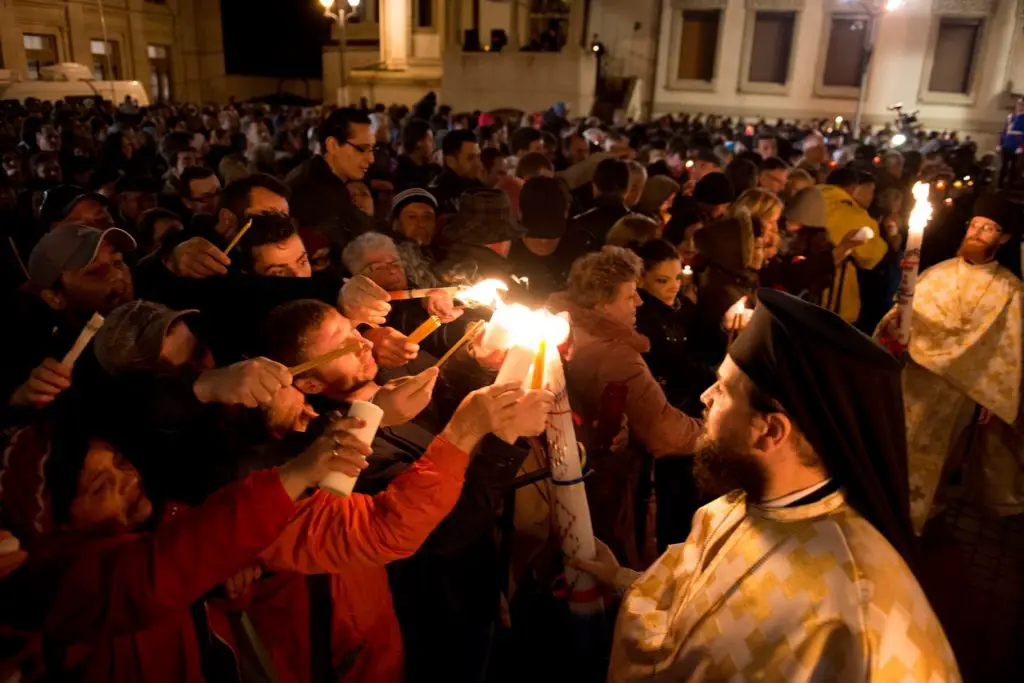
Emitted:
pixel 282 259
pixel 664 280
pixel 773 180
pixel 186 158
pixel 350 159
pixel 341 375
pixel 109 493
pixel 637 180
pixel 466 164
pixel 418 222
pixel 983 239
pixel 579 150
pixel 385 268
pixel 767 147
pixel 101 286
pixel 498 172
pixel 622 308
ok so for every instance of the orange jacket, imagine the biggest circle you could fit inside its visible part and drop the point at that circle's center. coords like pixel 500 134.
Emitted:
pixel 353 538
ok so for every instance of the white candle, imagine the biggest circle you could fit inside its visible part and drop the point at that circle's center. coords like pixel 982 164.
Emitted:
pixel 919 217
pixel 342 484
pixel 84 337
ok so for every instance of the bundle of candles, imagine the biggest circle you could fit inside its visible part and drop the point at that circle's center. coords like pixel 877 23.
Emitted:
pixel 919 217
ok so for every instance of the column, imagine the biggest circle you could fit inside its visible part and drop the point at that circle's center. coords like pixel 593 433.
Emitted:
pixel 137 47
pixel 577 28
pixel 78 36
pixel 395 33
pixel 11 42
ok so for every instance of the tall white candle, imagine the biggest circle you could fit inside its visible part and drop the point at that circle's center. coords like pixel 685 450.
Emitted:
pixel 919 217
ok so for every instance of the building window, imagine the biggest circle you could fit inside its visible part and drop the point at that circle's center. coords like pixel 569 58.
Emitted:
pixel 771 47
pixel 698 45
pixel 424 13
pixel 104 69
pixel 160 72
pixel 845 57
pixel 40 51
pixel 956 52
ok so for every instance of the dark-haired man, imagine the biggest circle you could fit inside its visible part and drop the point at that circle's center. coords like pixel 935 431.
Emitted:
pixel 772 174
pixel 609 186
pixel 272 247
pixel 200 191
pixel 319 195
pixel 415 166
pixel 463 170
pixel 795 572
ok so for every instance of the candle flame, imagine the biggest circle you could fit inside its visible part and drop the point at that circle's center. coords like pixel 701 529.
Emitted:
pixel 922 212
pixel 484 293
pixel 687 270
pixel 738 308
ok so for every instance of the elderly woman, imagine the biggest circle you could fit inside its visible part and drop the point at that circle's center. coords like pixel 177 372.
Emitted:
pixel 608 359
pixel 375 255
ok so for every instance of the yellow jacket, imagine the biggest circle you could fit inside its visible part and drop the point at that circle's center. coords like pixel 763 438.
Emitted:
pixel 843 214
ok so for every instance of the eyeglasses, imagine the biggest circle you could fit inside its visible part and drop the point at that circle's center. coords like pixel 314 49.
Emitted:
pixel 985 228
pixel 362 149
pixel 383 267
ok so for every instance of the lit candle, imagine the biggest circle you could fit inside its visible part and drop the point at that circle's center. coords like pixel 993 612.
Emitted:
pixel 919 217
pixel 687 276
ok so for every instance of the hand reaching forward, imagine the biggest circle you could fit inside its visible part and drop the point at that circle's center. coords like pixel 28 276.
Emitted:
pixel 363 301
pixel 251 383
pixel 337 450
pixel 404 398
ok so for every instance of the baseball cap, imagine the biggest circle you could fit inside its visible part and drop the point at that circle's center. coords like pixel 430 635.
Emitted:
pixel 132 336
pixel 58 202
pixel 71 247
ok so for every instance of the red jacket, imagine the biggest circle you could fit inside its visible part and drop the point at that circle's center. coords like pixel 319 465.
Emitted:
pixel 353 538
pixel 119 605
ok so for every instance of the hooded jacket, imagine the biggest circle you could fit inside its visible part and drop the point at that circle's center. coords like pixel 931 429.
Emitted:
pixel 842 214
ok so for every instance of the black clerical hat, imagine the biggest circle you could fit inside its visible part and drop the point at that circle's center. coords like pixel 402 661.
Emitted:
pixel 843 391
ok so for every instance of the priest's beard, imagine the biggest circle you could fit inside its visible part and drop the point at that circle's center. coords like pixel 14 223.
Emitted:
pixel 721 467
pixel 977 252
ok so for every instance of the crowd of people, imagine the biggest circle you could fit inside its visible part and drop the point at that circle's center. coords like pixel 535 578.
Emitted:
pixel 158 487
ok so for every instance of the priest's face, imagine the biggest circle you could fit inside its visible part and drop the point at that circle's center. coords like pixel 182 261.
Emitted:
pixel 727 454
pixel 984 238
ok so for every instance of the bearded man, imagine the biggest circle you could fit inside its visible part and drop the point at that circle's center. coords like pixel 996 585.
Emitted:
pixel 962 386
pixel 795 574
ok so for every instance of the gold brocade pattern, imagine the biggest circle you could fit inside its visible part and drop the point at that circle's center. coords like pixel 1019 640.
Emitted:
pixel 810 593
pixel 967 328
pixel 966 349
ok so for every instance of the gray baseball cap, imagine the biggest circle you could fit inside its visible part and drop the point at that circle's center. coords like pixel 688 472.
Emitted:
pixel 71 247
pixel 132 336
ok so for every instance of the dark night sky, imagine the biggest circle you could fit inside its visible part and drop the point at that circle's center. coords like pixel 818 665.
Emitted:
pixel 273 37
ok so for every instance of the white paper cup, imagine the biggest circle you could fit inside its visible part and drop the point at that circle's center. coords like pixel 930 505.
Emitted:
pixel 341 484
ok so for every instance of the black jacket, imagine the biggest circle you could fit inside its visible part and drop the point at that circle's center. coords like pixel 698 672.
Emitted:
pixel 447 188
pixel 668 328
pixel 597 221
pixel 549 274
pixel 320 200
pixel 410 174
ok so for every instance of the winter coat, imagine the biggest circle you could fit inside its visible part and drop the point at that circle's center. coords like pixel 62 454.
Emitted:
pixel 843 214
pixel 117 608
pixel 598 220
pixel 352 538
pixel 729 248
pixel 447 188
pixel 410 174
pixel 667 328
pixel 549 274
pixel 804 266
pixel 320 200
pixel 606 351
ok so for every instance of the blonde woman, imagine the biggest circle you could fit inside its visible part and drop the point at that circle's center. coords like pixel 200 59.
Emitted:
pixel 766 207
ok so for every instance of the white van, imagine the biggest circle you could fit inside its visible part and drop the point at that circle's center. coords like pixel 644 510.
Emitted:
pixel 69 80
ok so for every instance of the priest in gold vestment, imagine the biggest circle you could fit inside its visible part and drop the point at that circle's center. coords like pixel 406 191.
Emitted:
pixel 962 383
pixel 796 574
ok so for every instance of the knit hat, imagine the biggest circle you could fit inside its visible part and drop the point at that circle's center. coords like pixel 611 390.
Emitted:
pixel 656 191
pixel 132 336
pixel 484 217
pixel 714 189
pixel 807 207
pixel 543 204
pixel 1000 210
pixel 414 195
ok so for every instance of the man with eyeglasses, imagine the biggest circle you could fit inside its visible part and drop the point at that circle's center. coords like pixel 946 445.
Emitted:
pixel 962 386
pixel 319 194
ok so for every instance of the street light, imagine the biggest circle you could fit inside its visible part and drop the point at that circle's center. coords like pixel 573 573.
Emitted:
pixel 875 8
pixel 341 13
